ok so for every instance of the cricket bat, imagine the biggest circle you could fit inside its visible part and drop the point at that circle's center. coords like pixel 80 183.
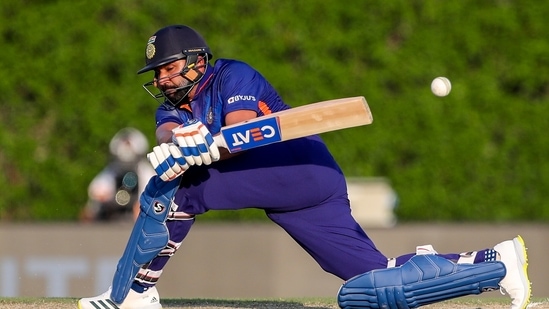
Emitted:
pixel 310 119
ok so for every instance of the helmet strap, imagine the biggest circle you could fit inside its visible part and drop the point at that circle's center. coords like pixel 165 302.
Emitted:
pixel 191 72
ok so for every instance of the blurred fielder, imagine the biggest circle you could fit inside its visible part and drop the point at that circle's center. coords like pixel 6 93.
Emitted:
pixel 113 194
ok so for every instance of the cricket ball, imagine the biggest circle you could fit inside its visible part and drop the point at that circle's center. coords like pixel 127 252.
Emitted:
pixel 441 86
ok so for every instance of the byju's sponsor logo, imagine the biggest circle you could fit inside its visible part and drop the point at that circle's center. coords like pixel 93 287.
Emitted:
pixel 237 98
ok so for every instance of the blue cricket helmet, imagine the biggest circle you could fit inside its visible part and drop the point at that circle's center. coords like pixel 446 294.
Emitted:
pixel 173 43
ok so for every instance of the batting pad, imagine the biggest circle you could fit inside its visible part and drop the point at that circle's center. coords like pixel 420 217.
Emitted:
pixel 423 280
pixel 148 237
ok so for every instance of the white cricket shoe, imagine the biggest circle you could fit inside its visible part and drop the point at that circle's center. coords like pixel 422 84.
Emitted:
pixel 515 283
pixel 146 300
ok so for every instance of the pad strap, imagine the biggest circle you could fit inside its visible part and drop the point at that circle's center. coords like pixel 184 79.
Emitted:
pixel 423 280
pixel 149 235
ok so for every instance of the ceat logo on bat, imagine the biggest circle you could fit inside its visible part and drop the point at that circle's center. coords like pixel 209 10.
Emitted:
pixel 252 135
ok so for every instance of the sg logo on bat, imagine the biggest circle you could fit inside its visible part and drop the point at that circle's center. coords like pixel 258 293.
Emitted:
pixel 252 135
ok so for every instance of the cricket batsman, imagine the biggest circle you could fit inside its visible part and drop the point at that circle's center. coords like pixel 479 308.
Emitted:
pixel 297 183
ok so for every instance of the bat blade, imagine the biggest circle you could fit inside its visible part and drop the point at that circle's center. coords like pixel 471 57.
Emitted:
pixel 310 119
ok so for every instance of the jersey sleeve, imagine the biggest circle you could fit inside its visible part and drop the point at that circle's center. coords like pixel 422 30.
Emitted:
pixel 241 87
pixel 165 114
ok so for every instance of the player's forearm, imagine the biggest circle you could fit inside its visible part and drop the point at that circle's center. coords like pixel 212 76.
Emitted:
pixel 164 132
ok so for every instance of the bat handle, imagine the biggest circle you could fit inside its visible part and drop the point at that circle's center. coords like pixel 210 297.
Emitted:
pixel 220 141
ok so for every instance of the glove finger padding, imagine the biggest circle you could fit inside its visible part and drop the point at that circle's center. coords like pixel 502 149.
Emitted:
pixel 188 146
pixel 167 161
pixel 165 169
pixel 178 157
pixel 210 143
pixel 202 148
pixel 196 143
pixel 154 162
pixel 186 151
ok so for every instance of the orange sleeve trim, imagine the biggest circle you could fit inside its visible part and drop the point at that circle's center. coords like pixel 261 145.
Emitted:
pixel 264 108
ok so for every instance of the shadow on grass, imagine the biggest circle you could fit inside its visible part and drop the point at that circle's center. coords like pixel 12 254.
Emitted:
pixel 259 304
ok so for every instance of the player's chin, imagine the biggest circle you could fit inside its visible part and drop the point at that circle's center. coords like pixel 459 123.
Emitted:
pixel 174 96
pixel 170 92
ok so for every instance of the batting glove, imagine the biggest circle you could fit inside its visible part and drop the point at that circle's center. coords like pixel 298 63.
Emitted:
pixel 167 161
pixel 196 143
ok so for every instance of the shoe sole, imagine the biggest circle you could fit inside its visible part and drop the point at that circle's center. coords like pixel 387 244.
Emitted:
pixel 100 305
pixel 520 249
pixel 103 305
